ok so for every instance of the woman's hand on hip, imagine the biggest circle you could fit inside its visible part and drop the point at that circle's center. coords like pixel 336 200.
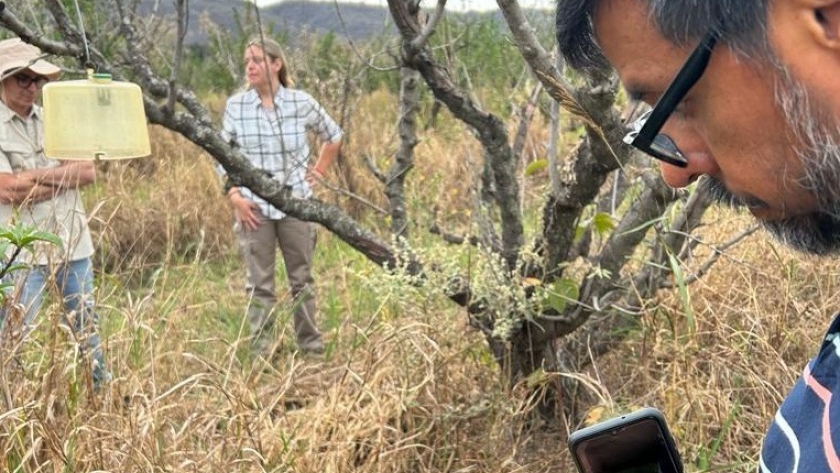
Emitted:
pixel 245 211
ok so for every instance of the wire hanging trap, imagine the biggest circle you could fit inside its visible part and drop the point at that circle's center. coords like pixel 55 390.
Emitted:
pixel 95 118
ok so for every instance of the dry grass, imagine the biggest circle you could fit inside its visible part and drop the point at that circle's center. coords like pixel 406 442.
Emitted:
pixel 152 210
pixel 720 372
pixel 404 386
pixel 396 394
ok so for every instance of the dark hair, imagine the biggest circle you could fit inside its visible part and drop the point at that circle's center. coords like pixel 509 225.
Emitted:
pixel 741 24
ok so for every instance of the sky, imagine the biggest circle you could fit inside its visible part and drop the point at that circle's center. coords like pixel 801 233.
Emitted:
pixel 457 5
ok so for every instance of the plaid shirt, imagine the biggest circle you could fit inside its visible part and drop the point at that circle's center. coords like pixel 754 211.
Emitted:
pixel 276 140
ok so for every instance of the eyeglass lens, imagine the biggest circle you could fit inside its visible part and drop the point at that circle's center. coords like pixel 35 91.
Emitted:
pixel 645 132
pixel 25 80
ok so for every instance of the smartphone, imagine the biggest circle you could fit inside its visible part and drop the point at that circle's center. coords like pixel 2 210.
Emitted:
pixel 639 442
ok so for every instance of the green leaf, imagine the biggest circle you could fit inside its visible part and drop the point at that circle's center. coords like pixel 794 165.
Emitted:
pixel 685 296
pixel 40 236
pixel 580 230
pixel 536 166
pixel 603 223
pixel 561 292
pixel 538 378
pixel 21 236
pixel 17 267
pixel 17 238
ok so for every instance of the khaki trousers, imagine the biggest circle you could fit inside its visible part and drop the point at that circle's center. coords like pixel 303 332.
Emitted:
pixel 296 239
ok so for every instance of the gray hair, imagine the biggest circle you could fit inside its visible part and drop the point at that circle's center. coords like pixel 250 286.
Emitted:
pixel 740 24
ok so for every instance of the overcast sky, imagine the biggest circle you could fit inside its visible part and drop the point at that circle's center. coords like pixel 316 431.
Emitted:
pixel 460 5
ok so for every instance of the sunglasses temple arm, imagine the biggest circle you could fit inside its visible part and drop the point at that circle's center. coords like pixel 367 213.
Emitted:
pixel 687 77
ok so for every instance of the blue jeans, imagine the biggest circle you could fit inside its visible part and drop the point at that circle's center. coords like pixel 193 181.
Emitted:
pixel 74 281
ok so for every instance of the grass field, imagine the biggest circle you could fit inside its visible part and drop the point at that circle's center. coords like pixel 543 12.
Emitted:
pixel 406 384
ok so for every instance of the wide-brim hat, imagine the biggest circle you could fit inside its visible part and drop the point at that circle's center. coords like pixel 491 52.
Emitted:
pixel 15 55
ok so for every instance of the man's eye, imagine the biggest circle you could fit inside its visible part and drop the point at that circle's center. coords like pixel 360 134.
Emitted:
pixel 683 109
pixel 633 110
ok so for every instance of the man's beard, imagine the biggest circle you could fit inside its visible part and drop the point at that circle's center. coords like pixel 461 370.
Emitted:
pixel 817 232
pixel 815 130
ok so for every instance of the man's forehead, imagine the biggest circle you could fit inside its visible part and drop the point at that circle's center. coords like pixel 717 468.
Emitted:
pixel 623 25
pixel 622 15
pixel 631 42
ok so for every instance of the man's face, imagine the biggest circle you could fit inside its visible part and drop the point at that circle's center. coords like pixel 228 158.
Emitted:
pixel 21 90
pixel 732 128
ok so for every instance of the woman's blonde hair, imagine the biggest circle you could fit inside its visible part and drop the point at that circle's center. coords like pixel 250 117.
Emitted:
pixel 273 50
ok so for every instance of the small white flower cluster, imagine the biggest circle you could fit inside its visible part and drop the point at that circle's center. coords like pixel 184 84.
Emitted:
pixel 448 270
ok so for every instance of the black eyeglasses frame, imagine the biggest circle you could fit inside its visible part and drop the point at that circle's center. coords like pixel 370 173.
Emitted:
pixel 25 80
pixel 645 135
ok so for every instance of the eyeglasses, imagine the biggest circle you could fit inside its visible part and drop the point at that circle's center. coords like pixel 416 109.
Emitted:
pixel 644 134
pixel 25 80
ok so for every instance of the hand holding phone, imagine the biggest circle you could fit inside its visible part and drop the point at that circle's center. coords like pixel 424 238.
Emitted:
pixel 639 442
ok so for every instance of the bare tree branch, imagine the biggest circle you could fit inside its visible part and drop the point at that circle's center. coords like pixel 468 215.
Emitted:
pixel 423 38
pixel 612 292
pixel 490 130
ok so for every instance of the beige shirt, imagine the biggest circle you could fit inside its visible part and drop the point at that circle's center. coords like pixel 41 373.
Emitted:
pixel 21 148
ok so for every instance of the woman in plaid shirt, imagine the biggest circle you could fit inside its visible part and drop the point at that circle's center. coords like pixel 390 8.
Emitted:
pixel 269 122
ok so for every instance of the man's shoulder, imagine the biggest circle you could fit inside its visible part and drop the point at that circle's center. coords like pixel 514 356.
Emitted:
pixel 6 115
pixel 809 415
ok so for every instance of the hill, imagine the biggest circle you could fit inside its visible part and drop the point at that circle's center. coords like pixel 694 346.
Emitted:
pixel 355 21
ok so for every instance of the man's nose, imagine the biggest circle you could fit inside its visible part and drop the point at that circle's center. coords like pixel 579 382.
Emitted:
pixel 694 148
pixel 699 163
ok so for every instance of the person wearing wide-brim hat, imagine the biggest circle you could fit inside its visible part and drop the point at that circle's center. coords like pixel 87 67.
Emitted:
pixel 17 56
pixel 22 64
pixel 43 194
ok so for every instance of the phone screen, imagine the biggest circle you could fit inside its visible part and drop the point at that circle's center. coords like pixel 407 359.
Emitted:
pixel 640 447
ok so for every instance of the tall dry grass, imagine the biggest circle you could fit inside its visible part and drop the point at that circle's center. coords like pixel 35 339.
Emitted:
pixel 405 384
pixel 720 369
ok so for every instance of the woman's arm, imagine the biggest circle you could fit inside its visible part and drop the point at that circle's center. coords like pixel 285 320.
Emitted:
pixel 329 151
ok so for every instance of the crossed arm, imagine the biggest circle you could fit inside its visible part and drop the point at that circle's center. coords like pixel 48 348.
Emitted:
pixel 36 185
